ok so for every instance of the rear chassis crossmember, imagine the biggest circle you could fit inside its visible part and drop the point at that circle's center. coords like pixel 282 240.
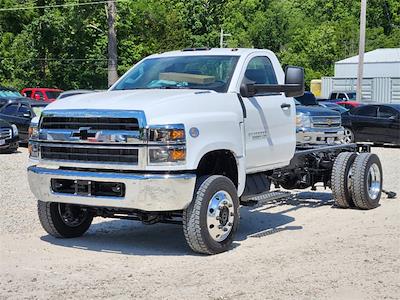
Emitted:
pixel 311 165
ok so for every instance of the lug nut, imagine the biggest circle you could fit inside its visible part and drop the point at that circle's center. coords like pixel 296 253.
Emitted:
pixel 230 224
pixel 224 202
pixel 232 214
pixel 218 218
pixel 225 229
pixel 230 205
pixel 220 207
pixel 220 226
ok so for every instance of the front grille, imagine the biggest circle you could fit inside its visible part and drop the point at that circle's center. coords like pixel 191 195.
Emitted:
pixel 94 123
pixel 5 133
pixel 90 154
pixel 326 122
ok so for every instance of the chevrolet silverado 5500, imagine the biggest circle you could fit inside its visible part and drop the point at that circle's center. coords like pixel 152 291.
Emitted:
pixel 186 137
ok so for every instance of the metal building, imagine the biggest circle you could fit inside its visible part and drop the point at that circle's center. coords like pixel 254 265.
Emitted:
pixel 381 81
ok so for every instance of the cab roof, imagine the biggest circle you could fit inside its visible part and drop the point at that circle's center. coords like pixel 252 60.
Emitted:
pixel 210 51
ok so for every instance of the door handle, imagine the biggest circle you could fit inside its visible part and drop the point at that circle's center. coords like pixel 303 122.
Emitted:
pixel 285 105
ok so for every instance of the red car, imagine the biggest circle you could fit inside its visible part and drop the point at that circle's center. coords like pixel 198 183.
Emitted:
pixel 44 94
pixel 349 104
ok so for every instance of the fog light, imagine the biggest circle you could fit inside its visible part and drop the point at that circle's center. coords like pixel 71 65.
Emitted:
pixel 167 155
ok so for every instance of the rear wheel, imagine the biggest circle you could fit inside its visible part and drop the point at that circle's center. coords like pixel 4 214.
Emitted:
pixel 366 181
pixel 211 220
pixel 64 220
pixel 341 179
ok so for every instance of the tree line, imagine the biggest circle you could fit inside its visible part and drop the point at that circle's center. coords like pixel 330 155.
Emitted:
pixel 66 47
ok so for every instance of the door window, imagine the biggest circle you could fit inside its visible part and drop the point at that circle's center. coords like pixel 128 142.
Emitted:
pixel 386 112
pixel 28 94
pixel 24 110
pixel 333 96
pixel 38 95
pixel 260 71
pixel 342 96
pixel 10 109
pixel 366 111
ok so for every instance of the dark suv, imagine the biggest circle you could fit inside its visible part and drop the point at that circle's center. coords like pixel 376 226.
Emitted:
pixel 20 112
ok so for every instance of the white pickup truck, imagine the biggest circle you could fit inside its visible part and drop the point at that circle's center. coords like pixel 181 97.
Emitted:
pixel 186 137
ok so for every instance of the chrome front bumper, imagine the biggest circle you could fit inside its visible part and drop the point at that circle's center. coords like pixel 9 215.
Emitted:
pixel 147 192
pixel 319 136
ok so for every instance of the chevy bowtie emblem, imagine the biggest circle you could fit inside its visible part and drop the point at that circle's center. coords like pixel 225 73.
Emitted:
pixel 329 121
pixel 83 133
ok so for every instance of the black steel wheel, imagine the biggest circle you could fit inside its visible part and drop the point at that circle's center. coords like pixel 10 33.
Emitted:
pixel 64 220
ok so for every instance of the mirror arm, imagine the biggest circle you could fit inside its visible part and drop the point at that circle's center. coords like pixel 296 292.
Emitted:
pixel 255 89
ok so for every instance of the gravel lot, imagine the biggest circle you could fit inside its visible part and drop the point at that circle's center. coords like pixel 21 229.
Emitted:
pixel 308 250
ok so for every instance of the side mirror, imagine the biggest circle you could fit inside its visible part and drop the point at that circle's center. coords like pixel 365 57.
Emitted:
pixel 293 87
pixel 294 80
pixel 26 115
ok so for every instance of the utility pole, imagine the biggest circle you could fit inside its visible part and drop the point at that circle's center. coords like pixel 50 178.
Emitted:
pixel 221 38
pixel 361 49
pixel 112 43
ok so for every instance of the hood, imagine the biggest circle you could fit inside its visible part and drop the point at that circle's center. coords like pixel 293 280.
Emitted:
pixel 316 111
pixel 158 104
pixel 124 100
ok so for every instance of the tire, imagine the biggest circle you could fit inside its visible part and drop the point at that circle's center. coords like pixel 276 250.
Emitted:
pixel 214 197
pixel 340 179
pixel 348 136
pixel 366 181
pixel 54 224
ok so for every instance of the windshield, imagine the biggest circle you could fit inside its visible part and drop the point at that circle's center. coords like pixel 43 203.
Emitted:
pixel 307 99
pixel 9 94
pixel 352 96
pixel 188 72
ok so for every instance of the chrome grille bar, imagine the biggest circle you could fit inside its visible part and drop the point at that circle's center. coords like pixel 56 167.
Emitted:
pixel 5 134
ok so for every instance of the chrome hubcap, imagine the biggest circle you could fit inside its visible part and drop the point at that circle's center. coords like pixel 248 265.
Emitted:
pixel 220 216
pixel 348 136
pixel 374 181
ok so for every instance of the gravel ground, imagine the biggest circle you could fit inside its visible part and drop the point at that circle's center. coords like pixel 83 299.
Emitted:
pixel 300 249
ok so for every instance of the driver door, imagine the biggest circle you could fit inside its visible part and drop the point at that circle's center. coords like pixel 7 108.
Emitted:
pixel 269 127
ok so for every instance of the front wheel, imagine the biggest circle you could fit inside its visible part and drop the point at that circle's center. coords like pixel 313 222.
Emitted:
pixel 211 220
pixel 348 136
pixel 64 220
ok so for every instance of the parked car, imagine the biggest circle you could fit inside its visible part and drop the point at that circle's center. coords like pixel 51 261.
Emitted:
pixel 316 125
pixel 20 112
pixel 343 96
pixel 10 93
pixel 334 106
pixel 349 104
pixel 73 93
pixel 376 123
pixel 8 137
pixel 44 94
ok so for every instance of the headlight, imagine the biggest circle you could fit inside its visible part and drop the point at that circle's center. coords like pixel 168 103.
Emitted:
pixel 14 130
pixel 167 154
pixel 174 133
pixel 303 120
pixel 33 132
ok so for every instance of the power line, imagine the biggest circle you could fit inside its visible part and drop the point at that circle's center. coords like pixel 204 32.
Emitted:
pixel 57 5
